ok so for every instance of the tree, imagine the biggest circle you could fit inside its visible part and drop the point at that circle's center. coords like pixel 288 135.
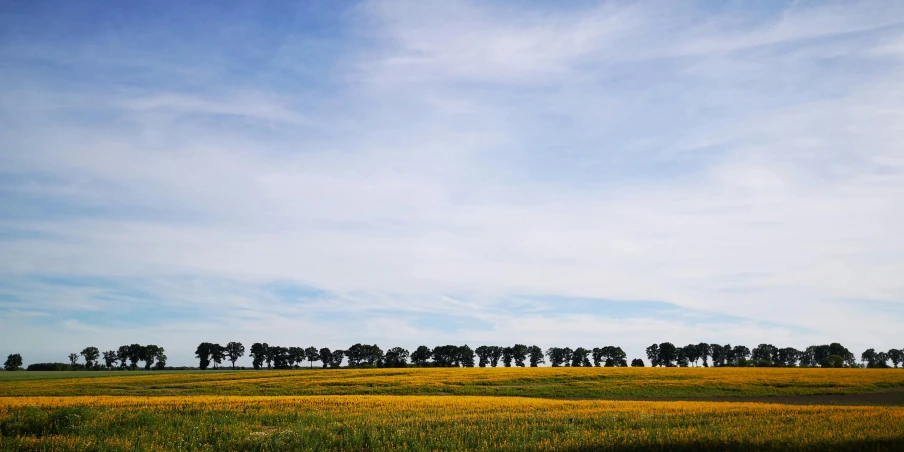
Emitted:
pixel 636 362
pixel 683 359
pixel 788 356
pixel 614 356
pixel 122 355
pixel 91 355
pixel 556 356
pixel 483 355
pixel 259 354
pixel 720 354
pixel 268 354
pixel 421 355
pixel 579 357
pixel 396 357
pixel 338 356
pixel 668 354
pixel 235 350
pixel 519 353
pixel 296 356
pixel 73 360
pixel 149 353
pixel 311 355
pixel 135 351
pixel 653 355
pixel 13 362
pixel 832 361
pixel 567 354
pixel 597 355
pixel 495 355
pixel 161 359
pixel 765 355
pixel 465 356
pixel 704 351
pixel 739 355
pixel 110 358
pixel 869 357
pixel 445 355
pixel 896 356
pixel 326 357
pixel 203 353
pixel 279 356
pixel 536 355
pixel 507 354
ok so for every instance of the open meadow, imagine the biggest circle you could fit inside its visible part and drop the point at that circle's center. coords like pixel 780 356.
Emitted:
pixel 455 409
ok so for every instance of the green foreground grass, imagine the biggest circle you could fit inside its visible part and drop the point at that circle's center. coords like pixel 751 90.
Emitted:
pixel 526 382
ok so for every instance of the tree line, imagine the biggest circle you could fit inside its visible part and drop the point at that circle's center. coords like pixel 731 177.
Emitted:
pixel 667 354
pixel 664 354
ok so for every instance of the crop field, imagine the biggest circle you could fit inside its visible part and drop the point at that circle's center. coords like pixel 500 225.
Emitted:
pixel 569 409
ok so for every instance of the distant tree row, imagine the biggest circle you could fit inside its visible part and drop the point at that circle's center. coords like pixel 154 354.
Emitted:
pixel 125 357
pixel 767 355
pixel 364 355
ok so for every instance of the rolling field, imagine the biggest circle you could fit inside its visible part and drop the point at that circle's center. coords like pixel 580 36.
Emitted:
pixel 450 409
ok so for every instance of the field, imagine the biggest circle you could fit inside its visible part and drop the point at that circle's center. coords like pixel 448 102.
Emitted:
pixel 453 409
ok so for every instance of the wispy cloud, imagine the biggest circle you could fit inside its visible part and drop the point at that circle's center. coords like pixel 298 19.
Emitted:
pixel 521 166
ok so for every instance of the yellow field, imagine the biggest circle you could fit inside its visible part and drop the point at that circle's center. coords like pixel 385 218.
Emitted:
pixel 435 422
pixel 579 382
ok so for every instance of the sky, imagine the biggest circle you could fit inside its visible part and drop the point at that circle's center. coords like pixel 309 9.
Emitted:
pixel 450 172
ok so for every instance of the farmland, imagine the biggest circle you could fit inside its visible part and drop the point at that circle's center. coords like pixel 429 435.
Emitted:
pixel 450 409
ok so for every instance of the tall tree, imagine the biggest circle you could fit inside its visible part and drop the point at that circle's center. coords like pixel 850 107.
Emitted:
pixel 668 354
pixel 636 362
pixel 519 353
pixel 495 355
pixel 507 354
pixel 704 351
pixel 13 362
pixel 110 358
pixel 311 354
pixel 653 355
pixel 73 360
pixel 598 356
pixel 326 357
pixel 149 353
pixel 122 355
pixel 556 356
pixel 536 355
pixel 763 354
pixel 869 357
pixel 420 355
pixel 258 354
pixel 483 355
pixel 396 357
pixel 235 350
pixel 720 354
pixel 788 356
pixel 135 351
pixel 579 357
pixel 739 355
pixel 203 353
pixel 296 356
pixel 338 356
pixel 465 356
pixel 91 355
pixel 896 356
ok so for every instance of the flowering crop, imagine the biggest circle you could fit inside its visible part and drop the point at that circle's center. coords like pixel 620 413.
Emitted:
pixel 435 423
pixel 537 382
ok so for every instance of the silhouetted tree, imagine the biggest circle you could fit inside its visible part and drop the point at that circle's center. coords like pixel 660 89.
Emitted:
pixel 311 354
pixel 464 356
pixel 704 351
pixel 396 357
pixel 579 357
pixel 536 355
pixel 338 356
pixel 653 355
pixel 597 355
pixel 296 356
pixel 73 360
pixel 874 360
pixel 614 356
pixel 720 354
pixel 668 354
pixel 122 355
pixel 896 356
pixel 135 351
pixel 203 353
pixel 110 358
pixel 788 356
pixel 445 355
pixel 421 355
pixel 495 355
pixel 519 354
pixel 258 354
pixel 764 355
pixel 683 359
pixel 556 356
pixel 91 356
pixel 149 353
pixel 326 357
pixel 636 362
pixel 507 354
pixel 483 355
pixel 739 355
pixel 14 362
pixel 235 350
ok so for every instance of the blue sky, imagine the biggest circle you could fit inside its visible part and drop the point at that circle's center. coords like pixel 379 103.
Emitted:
pixel 399 173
